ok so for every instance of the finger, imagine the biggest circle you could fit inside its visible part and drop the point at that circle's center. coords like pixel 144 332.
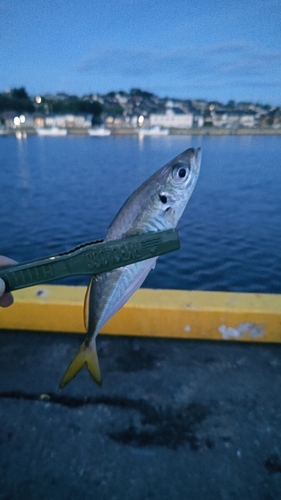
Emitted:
pixel 6 300
pixel 6 261
pixel 2 287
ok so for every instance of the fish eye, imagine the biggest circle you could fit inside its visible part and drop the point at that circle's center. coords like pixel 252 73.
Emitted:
pixel 181 171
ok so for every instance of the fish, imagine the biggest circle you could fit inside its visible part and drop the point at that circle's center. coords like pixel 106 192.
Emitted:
pixel 156 205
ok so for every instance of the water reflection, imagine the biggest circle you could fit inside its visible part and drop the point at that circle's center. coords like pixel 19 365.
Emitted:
pixel 24 178
pixel 20 135
pixel 57 193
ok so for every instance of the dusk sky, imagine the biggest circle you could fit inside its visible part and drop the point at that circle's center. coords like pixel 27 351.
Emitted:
pixel 207 49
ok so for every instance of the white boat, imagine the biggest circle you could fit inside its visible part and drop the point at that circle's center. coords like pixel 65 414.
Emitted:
pixel 54 131
pixel 156 130
pixel 99 132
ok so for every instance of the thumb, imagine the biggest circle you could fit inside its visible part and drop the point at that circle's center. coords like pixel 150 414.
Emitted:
pixel 2 287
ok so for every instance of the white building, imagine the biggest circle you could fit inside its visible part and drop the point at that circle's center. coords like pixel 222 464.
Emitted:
pixel 173 118
pixel 234 119
pixel 68 121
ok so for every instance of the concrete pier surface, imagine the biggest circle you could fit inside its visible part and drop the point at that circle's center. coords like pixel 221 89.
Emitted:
pixel 174 419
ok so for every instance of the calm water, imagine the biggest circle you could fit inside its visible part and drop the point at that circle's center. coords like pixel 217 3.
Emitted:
pixel 59 192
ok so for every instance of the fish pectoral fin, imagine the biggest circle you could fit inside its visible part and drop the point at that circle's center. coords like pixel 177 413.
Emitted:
pixel 87 355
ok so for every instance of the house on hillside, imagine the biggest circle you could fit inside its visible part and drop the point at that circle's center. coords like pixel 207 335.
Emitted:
pixel 198 120
pixel 172 118
pixel 68 121
pixel 14 120
pixel 234 119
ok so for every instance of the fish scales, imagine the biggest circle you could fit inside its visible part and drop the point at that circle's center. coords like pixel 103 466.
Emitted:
pixel 154 206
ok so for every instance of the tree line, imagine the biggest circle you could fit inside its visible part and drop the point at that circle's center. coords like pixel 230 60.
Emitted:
pixel 19 101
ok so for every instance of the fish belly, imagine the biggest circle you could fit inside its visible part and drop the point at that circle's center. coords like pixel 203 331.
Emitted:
pixel 113 289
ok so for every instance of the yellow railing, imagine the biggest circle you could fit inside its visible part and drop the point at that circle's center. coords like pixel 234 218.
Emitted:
pixel 152 313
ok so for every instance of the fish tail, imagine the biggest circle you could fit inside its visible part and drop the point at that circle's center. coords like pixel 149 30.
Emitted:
pixel 87 355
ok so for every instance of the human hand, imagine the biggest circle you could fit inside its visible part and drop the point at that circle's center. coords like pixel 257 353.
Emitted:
pixel 6 299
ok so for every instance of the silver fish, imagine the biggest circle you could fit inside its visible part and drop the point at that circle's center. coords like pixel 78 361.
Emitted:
pixel 156 205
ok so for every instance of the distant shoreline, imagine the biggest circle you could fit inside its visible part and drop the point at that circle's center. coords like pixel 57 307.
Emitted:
pixel 134 132
pixel 206 131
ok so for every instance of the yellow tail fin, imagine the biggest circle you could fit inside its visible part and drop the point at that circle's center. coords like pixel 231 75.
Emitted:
pixel 87 355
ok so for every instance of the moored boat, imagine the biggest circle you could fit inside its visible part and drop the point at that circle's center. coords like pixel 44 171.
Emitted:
pixel 99 132
pixel 51 131
pixel 154 131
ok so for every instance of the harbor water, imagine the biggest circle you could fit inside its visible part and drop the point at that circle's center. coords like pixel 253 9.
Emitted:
pixel 58 192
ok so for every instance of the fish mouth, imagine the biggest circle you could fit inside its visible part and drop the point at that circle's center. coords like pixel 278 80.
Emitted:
pixel 197 158
pixel 191 158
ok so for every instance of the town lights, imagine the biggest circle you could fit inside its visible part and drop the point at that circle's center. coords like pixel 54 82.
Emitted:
pixel 19 120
